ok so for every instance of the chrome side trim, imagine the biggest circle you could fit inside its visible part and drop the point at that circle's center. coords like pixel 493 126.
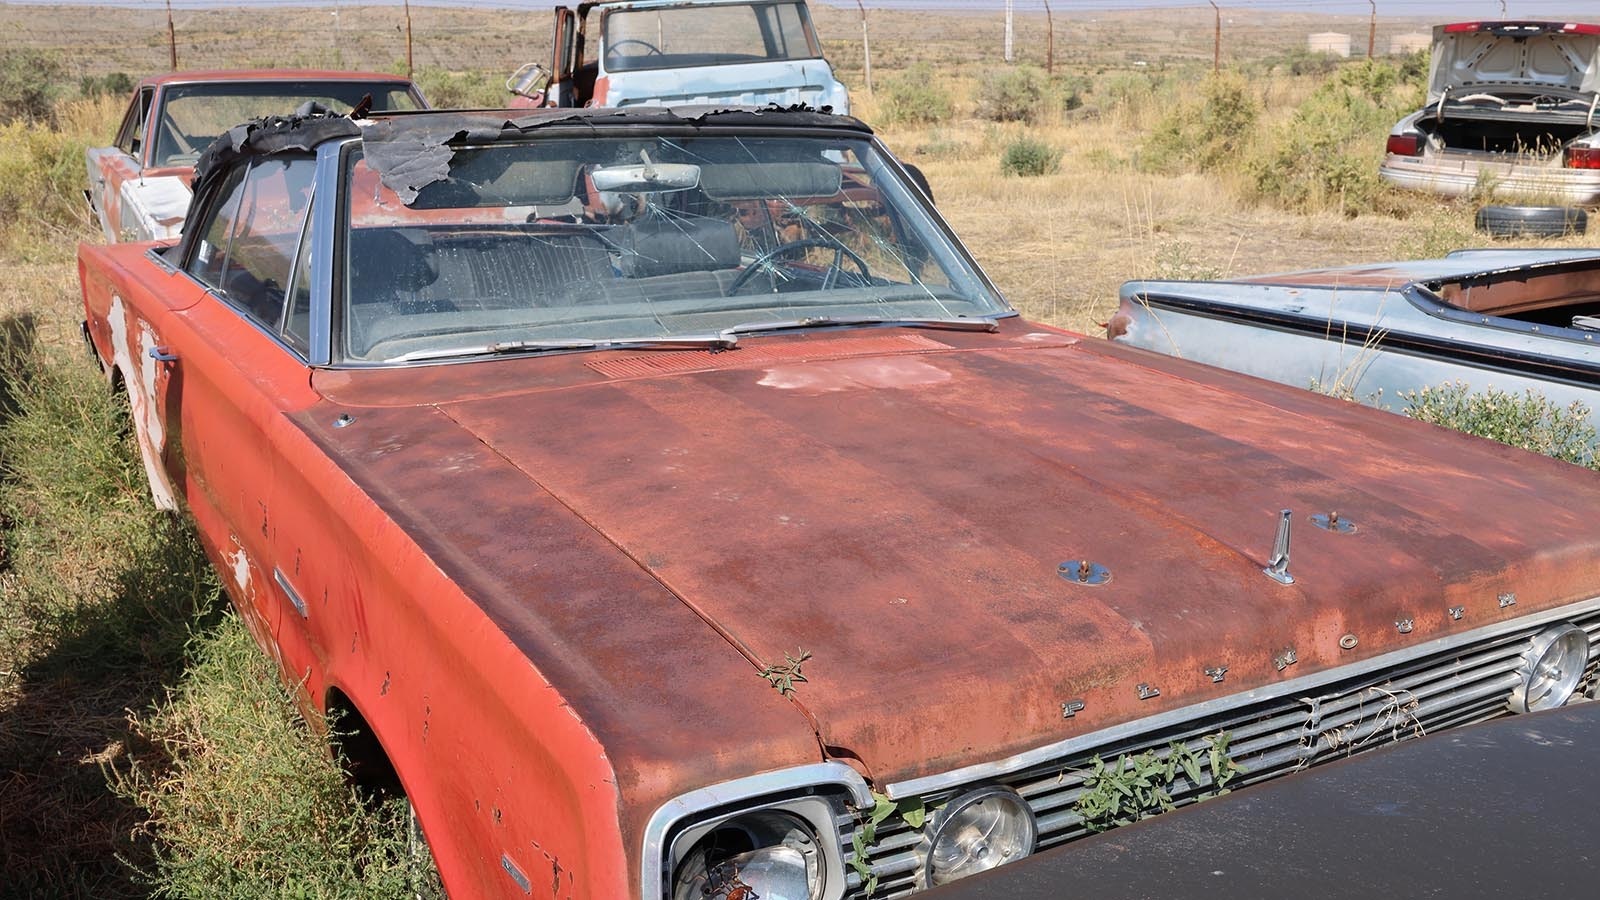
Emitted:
pixel 812 775
pixel 1084 742
pixel 289 591
pixel 157 256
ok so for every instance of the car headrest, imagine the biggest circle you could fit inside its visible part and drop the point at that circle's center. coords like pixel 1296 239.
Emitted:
pixel 392 259
pixel 662 246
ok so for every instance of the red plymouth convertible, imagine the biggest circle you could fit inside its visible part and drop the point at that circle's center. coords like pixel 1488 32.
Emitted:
pixel 667 501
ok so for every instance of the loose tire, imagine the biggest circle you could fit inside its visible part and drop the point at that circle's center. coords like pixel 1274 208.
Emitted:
pixel 1532 221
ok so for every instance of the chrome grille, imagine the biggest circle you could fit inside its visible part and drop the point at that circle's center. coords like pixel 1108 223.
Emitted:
pixel 1267 738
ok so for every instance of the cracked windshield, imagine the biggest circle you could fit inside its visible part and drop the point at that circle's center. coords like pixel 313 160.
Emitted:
pixel 559 243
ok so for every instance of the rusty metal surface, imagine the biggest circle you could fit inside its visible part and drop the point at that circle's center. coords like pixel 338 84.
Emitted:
pixel 204 75
pixel 1491 811
pixel 902 519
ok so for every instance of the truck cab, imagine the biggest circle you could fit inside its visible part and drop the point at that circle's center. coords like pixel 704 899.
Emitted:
pixel 668 52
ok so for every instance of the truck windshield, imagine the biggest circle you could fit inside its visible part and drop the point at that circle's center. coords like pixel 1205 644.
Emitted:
pixel 712 35
pixel 639 238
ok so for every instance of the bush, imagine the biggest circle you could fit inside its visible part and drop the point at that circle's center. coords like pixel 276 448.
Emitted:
pixel 1528 420
pixel 1017 94
pixel 117 84
pixel 914 97
pixel 1327 156
pixel 1027 157
pixel 41 176
pixel 1209 136
pixel 462 90
pixel 29 85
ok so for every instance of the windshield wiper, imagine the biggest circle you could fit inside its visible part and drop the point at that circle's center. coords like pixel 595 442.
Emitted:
pixel 952 324
pixel 713 342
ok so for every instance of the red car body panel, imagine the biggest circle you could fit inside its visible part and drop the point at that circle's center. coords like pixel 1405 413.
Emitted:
pixel 917 486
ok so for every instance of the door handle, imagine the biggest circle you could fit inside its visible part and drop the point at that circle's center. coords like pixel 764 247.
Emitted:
pixel 162 354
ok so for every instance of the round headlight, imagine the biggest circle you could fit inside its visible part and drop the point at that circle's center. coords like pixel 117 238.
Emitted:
pixel 1551 668
pixel 976 832
pixel 767 855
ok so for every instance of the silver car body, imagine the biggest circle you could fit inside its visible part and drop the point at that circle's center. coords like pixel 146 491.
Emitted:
pixel 1511 111
pixel 1513 320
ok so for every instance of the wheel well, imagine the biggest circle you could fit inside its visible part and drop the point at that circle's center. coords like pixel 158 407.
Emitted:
pixel 365 762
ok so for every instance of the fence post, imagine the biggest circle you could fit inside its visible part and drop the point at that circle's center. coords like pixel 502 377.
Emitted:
pixel 408 39
pixel 1008 53
pixel 1216 44
pixel 1049 41
pixel 1372 29
pixel 866 49
pixel 172 40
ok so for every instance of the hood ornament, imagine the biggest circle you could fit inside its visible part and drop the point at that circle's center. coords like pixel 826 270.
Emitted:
pixel 1330 521
pixel 1082 571
pixel 1278 566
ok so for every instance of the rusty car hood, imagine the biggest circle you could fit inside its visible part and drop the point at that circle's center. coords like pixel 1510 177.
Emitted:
pixel 902 518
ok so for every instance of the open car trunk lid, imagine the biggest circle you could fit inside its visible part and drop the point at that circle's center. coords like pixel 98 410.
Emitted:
pixel 1482 57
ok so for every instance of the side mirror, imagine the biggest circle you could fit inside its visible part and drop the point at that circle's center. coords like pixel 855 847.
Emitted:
pixel 529 81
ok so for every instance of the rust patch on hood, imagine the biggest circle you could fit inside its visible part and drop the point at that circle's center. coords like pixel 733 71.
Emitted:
pixel 910 539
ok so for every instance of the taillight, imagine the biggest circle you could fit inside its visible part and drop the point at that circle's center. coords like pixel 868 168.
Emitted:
pixel 1459 27
pixel 1580 28
pixel 1583 157
pixel 1405 144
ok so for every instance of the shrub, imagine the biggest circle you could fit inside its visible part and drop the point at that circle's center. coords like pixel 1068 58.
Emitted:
pixel 462 90
pixel 1327 156
pixel 29 85
pixel 1208 136
pixel 117 84
pixel 914 97
pixel 1017 94
pixel 1027 157
pixel 41 175
pixel 1528 420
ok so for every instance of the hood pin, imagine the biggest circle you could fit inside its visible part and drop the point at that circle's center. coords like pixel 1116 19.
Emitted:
pixel 1082 571
pixel 1278 566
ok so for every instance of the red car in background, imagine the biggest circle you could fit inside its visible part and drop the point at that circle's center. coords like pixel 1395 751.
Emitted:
pixel 139 186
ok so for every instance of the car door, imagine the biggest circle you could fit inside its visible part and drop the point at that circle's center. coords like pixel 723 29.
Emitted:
pixel 110 166
pixel 238 373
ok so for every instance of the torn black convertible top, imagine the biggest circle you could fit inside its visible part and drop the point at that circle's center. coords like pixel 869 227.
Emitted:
pixel 412 150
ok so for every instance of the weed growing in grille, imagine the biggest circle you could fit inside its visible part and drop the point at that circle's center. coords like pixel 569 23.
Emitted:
pixel 910 810
pixel 1136 786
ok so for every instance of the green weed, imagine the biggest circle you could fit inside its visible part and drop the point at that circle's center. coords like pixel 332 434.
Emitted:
pixel 1527 420
pixel 242 794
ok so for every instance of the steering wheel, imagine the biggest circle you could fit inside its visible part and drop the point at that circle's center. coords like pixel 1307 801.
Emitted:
pixel 840 254
pixel 649 48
